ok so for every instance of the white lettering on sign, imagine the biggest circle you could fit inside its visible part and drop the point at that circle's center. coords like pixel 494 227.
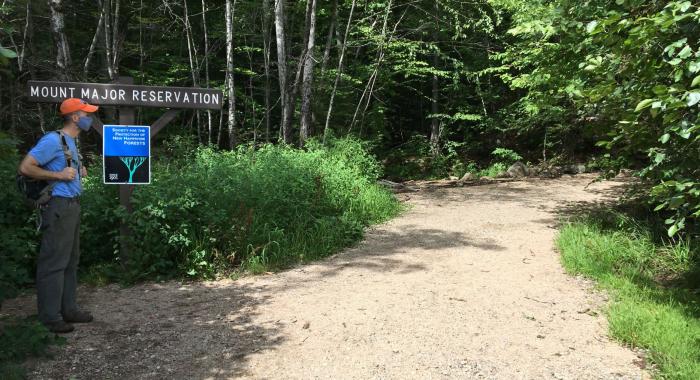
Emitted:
pixel 126 95
pixel 127 136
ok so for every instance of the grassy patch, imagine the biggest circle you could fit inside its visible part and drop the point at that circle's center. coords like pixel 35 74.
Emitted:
pixel 19 340
pixel 654 302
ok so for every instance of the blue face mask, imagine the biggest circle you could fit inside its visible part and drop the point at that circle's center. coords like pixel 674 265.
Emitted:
pixel 84 123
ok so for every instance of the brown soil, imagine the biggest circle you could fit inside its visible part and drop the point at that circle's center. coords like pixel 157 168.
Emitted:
pixel 466 284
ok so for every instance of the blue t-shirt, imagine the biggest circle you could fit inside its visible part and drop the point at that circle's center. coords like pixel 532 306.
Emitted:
pixel 48 152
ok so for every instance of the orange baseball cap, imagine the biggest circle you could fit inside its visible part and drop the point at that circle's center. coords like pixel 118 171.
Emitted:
pixel 71 105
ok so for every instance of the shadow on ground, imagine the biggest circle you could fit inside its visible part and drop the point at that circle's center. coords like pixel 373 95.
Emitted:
pixel 158 331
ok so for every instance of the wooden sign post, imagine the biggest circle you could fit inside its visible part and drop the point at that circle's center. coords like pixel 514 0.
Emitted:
pixel 126 97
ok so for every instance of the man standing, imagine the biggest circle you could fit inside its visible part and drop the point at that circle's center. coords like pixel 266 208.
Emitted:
pixel 57 265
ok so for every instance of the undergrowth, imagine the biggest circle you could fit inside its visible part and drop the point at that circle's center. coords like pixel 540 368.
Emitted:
pixel 209 212
pixel 653 286
pixel 22 338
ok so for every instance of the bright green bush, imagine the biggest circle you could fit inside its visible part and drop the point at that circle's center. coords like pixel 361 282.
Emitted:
pixel 212 212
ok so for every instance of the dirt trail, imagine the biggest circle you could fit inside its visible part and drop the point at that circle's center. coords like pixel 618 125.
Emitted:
pixel 464 285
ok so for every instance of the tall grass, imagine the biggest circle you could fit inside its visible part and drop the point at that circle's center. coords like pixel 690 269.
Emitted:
pixel 209 212
pixel 655 304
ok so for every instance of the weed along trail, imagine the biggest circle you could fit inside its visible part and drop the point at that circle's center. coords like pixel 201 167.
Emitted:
pixel 465 284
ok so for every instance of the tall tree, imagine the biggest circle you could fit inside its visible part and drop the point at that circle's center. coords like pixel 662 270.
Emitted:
pixel 308 76
pixel 63 60
pixel 434 101
pixel 280 34
pixel 339 71
pixel 230 89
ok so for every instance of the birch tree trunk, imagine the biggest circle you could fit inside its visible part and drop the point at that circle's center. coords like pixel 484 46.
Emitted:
pixel 266 57
pixel 107 10
pixel 229 75
pixel 206 66
pixel 280 37
pixel 60 39
pixel 194 63
pixel 329 38
pixel 339 71
pixel 308 77
pixel 95 38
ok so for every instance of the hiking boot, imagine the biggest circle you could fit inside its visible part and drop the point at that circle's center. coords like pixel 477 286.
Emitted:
pixel 77 316
pixel 59 327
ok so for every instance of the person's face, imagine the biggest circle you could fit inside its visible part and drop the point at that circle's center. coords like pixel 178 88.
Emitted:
pixel 75 116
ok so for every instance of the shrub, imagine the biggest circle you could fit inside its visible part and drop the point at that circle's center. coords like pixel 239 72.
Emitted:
pixel 256 209
pixel 17 228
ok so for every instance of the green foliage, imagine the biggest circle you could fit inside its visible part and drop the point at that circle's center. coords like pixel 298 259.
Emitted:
pixel 259 209
pixel 17 231
pixel 20 339
pixel 645 313
pixel 493 170
pixel 625 74
pixel 506 156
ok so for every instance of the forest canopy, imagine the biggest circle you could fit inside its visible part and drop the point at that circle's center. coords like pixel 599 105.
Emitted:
pixel 433 86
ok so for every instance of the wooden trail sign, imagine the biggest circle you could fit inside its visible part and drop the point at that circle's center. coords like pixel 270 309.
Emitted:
pixel 126 96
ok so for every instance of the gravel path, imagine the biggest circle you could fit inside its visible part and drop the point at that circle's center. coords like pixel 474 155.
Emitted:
pixel 466 284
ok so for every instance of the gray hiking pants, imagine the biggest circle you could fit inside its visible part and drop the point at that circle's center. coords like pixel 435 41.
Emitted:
pixel 57 266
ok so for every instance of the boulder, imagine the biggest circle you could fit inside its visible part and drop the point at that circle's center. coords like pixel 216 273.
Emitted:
pixel 468 177
pixel 574 169
pixel 503 175
pixel 518 170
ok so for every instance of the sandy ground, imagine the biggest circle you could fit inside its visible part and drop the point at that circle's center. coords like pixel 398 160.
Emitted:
pixel 466 284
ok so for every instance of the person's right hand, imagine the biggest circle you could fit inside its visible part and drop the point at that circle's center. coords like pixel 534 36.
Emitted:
pixel 67 174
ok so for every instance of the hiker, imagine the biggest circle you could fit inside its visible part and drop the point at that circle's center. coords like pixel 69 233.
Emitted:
pixel 55 159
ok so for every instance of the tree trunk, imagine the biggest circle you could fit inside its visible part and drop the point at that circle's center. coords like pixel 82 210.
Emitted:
pixel 107 10
pixel 266 57
pixel 206 67
pixel 369 88
pixel 60 39
pixel 308 77
pixel 282 70
pixel 194 63
pixel 229 75
pixel 93 44
pixel 340 69
pixel 434 108
pixel 329 38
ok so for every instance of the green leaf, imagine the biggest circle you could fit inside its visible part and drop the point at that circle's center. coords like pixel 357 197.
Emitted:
pixel 659 157
pixel 672 230
pixel 685 52
pixel 591 26
pixel 644 104
pixel 693 98
pixel 664 139
pixel 7 53
pixel 696 81
pixel 660 89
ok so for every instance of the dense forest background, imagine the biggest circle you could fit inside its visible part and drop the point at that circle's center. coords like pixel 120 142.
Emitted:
pixel 430 88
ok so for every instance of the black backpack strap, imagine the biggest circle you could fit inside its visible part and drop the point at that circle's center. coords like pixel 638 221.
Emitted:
pixel 66 150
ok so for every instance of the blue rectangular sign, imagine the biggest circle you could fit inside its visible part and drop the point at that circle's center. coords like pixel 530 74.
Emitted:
pixel 126 152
